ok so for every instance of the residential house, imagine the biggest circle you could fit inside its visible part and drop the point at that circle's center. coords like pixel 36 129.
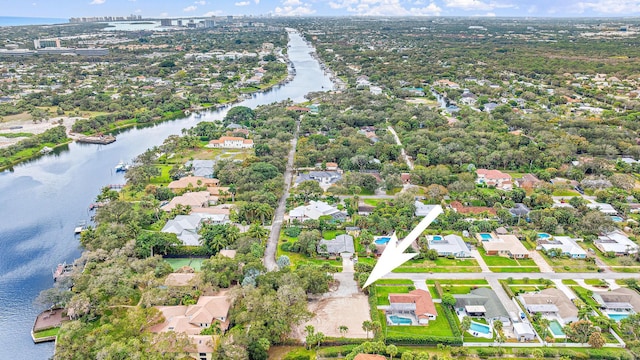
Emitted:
pixel 520 210
pixel 528 182
pixel 616 242
pixel 341 244
pixel 230 142
pixel 449 245
pixel 622 300
pixel 495 178
pixel 406 178
pixel 524 331
pixel 192 319
pixel 324 178
pixel 192 182
pixel 365 210
pixel 417 303
pixel 186 227
pixel 563 244
pixel 371 135
pixel 331 166
pixel 203 168
pixel 468 98
pixel 192 199
pixel 604 208
pixel 447 83
pixel 482 302
pixel 375 90
pixel 489 107
pixel 315 210
pixel 551 303
pixel 504 245
pixel 423 209
pixel 179 279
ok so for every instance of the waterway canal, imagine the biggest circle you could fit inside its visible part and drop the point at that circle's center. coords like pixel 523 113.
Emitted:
pixel 41 202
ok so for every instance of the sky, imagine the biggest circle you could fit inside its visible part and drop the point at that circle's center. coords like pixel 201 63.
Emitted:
pixel 195 8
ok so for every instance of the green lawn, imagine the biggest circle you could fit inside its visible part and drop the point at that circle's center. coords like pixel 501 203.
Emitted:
pixel 373 202
pixel 394 282
pixel 530 269
pixel 382 292
pixel 459 289
pixel 495 260
pixel 526 282
pixel 565 192
pixel 46 333
pixel 177 263
pixel 439 265
pixel 331 234
pixel 438 327
pixel 459 282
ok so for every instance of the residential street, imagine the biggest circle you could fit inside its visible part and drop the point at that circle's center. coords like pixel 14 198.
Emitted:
pixel 483 275
pixel 402 152
pixel 278 217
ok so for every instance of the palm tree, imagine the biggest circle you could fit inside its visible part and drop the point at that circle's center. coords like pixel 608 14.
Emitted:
pixel 584 312
pixel 343 329
pixel 257 232
pixel 233 189
pixel 367 326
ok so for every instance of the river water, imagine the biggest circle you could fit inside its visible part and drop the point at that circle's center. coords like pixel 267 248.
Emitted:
pixel 41 202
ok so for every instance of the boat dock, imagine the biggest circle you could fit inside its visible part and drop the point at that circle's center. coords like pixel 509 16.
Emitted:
pixel 99 139
pixel 46 320
pixel 62 270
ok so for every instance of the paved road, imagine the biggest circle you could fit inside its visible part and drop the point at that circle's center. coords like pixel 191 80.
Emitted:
pixel 278 217
pixel 402 152
pixel 499 276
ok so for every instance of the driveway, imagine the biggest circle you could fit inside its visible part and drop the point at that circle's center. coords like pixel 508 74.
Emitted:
pixel 483 265
pixel 540 262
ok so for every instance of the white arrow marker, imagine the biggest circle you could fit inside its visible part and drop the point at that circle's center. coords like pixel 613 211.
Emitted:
pixel 394 253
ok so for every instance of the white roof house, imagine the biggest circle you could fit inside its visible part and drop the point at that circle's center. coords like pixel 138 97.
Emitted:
pixel 603 207
pixel 567 245
pixel 314 210
pixel 449 245
pixel 524 331
pixel 186 226
pixel 616 242
pixel 423 209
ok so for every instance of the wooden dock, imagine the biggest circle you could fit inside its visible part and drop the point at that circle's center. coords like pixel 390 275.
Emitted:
pixel 99 139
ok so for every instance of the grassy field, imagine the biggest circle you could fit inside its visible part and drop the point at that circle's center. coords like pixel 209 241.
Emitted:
pixel 373 202
pixel 177 263
pixel 46 333
pixel 383 291
pixel 460 289
pixel 459 282
pixel 394 282
pixel 530 269
pixel 438 327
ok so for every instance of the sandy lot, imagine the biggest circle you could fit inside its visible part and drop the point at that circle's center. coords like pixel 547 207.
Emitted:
pixel 28 126
pixel 345 305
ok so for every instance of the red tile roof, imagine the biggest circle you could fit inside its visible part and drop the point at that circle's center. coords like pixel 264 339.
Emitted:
pixel 422 299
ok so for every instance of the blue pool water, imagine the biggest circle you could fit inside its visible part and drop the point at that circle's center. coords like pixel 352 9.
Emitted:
pixel 618 317
pixel 485 236
pixel 437 237
pixel 556 328
pixel 481 328
pixel 616 218
pixel 399 320
pixel 382 240
pixel 543 236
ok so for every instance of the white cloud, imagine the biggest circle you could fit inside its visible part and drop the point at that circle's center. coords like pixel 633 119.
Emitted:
pixel 256 1
pixel 532 9
pixel 490 14
pixel 475 4
pixel 292 3
pixel 164 14
pixel 138 11
pixel 242 3
pixel 431 10
pixel 97 2
pixel 190 8
pixel 213 13
pixel 201 2
pixel 303 10
pixel 610 6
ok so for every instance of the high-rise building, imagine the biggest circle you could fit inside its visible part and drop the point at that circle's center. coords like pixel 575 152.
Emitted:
pixel 165 22
pixel 209 23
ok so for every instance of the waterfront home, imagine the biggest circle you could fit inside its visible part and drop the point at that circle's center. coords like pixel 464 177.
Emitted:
pixel 495 178
pixel 616 242
pixel 503 245
pixel 186 227
pixel 482 302
pixel 339 245
pixel 192 182
pixel 449 245
pixel 417 304
pixel 562 246
pixel 315 210
pixel 423 209
pixel 230 142
pixel 192 319
pixel 202 168
pixel 550 303
pixel 198 199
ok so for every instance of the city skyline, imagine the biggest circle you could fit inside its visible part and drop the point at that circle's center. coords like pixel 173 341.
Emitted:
pixel 197 8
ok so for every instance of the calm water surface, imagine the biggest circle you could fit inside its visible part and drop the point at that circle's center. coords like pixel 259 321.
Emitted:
pixel 42 201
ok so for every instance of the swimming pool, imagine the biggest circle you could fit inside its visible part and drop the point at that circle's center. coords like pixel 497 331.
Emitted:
pixel 556 328
pixel 486 237
pixel 435 237
pixel 543 236
pixel 399 320
pixel 618 316
pixel 481 328
pixel 616 218
pixel 382 240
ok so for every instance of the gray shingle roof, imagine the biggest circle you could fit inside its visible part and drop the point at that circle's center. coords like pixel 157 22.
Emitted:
pixel 342 243
pixel 485 297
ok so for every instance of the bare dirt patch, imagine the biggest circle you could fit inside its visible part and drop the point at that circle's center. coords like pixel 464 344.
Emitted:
pixel 24 124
